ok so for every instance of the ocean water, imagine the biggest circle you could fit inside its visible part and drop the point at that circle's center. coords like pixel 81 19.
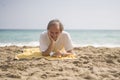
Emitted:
pixel 106 38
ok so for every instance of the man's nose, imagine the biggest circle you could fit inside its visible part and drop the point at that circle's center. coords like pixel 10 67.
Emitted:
pixel 54 34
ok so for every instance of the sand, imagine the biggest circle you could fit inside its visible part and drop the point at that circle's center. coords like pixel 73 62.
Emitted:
pixel 92 63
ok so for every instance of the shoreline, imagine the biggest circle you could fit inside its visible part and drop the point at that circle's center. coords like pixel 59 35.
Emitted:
pixel 92 63
pixel 75 46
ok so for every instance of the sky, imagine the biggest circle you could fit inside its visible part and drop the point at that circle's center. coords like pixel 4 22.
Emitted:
pixel 74 14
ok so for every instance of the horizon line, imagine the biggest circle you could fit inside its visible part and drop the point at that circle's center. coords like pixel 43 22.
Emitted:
pixel 46 29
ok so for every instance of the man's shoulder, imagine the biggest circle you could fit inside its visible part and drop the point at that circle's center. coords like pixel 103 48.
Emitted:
pixel 43 34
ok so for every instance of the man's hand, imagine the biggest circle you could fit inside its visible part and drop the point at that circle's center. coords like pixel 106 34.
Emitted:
pixel 52 43
pixel 50 37
pixel 66 54
pixel 57 54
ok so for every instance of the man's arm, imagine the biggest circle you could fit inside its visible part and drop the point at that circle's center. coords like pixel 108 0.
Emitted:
pixel 48 51
pixel 68 44
pixel 70 51
pixel 59 53
pixel 50 47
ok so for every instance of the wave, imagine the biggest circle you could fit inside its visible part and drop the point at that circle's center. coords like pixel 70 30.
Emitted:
pixel 35 43
pixel 96 45
pixel 20 44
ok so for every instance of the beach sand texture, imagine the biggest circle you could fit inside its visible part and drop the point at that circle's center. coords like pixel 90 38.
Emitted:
pixel 92 63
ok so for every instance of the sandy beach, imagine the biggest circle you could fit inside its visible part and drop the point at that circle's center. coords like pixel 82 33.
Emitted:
pixel 92 63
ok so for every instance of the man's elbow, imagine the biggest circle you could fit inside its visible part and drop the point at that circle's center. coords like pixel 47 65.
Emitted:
pixel 45 54
pixel 70 51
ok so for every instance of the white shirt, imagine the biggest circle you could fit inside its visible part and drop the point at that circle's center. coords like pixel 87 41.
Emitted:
pixel 63 41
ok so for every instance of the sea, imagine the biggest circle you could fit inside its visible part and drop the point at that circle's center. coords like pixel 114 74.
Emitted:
pixel 80 38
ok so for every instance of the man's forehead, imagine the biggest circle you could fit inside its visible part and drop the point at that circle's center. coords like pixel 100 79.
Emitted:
pixel 54 23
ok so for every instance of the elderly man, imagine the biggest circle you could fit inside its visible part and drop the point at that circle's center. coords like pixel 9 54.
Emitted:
pixel 55 41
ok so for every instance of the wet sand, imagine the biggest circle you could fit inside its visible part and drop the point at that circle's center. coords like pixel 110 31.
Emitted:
pixel 92 63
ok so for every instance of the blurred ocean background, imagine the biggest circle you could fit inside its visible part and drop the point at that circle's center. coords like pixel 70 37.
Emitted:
pixel 97 38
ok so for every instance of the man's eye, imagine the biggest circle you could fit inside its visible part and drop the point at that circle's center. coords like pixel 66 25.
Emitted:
pixel 51 32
